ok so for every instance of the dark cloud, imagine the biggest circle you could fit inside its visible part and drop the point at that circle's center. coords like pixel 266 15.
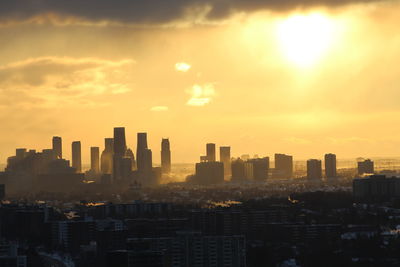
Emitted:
pixel 150 11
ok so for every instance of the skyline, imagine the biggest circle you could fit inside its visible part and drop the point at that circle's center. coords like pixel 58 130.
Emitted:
pixel 230 79
pixel 209 152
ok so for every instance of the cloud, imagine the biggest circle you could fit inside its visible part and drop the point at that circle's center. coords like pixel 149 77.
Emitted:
pixel 51 81
pixel 159 108
pixel 200 95
pixel 146 11
pixel 182 66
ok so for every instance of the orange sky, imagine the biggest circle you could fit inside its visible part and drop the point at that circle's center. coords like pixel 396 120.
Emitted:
pixel 231 80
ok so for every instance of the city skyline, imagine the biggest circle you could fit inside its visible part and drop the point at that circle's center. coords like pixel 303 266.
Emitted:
pixel 64 148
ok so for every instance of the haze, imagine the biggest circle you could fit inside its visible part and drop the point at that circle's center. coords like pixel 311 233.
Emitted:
pixel 260 77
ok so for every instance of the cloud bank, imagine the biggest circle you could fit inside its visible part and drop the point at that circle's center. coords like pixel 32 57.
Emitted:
pixel 148 11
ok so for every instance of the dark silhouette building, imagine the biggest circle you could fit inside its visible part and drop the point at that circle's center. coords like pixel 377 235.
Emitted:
pixel 330 166
pixel 314 169
pixel 257 169
pixel 2 191
pixel 144 160
pixel 107 156
pixel 211 152
pixel 131 156
pixel 141 152
pixel 57 146
pixel 77 156
pixel 365 167
pixel 119 153
pixel 165 156
pixel 376 187
pixel 238 170
pixel 95 160
pixel 208 173
pixel 283 166
pixel 225 158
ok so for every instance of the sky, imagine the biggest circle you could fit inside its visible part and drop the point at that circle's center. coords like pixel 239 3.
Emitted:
pixel 262 76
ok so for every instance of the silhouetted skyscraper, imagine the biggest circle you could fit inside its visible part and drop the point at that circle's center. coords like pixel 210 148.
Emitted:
pixel 107 156
pixel 141 151
pixel 95 160
pixel 225 158
pixel 57 146
pixel 330 165
pixel 314 169
pixel 165 156
pixel 238 170
pixel 283 166
pixel 76 156
pixel 260 169
pixel 119 141
pixel 131 156
pixel 211 152
pixel 119 152
pixel 209 173
pixel 366 166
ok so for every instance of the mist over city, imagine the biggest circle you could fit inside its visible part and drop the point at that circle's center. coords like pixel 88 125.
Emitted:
pixel 212 133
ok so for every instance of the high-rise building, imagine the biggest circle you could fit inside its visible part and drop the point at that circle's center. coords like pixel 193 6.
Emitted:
pixel 208 173
pixel 57 146
pixel 131 156
pixel 365 167
pixel 314 169
pixel 119 153
pixel 238 170
pixel 107 156
pixel 283 166
pixel 95 160
pixel 165 156
pixel 225 158
pixel 20 153
pixel 330 166
pixel 141 151
pixel 211 152
pixel 77 156
pixel 119 141
pixel 260 168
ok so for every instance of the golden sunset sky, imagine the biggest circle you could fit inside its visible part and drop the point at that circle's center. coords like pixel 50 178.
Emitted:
pixel 297 77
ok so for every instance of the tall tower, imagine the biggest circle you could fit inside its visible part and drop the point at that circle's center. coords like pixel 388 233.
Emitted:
pixel 141 151
pixel 119 152
pixel 211 152
pixel 94 159
pixel 131 156
pixel 314 169
pixel 77 156
pixel 107 156
pixel 119 141
pixel 330 165
pixel 283 166
pixel 57 146
pixel 165 156
pixel 225 158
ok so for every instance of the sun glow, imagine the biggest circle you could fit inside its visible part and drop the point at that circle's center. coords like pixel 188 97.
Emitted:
pixel 305 39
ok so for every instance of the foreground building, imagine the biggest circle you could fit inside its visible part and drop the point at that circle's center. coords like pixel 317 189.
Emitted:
pixel 376 187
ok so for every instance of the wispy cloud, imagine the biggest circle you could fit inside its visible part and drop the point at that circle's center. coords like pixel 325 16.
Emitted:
pixel 159 108
pixel 51 81
pixel 201 94
pixel 182 66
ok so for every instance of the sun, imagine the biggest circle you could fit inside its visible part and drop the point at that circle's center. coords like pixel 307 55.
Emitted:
pixel 305 39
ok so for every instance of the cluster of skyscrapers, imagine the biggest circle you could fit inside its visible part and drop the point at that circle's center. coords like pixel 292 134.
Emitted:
pixel 210 171
pixel 115 165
